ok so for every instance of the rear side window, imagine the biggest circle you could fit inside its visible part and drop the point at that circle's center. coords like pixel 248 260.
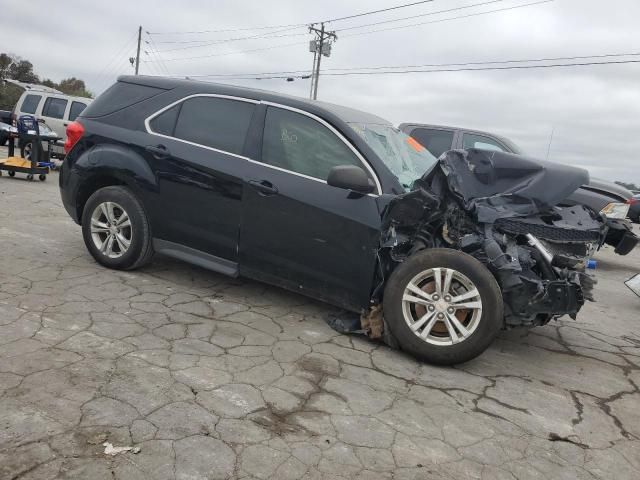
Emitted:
pixel 165 123
pixel 54 107
pixel 436 141
pixel 76 109
pixel 30 104
pixel 215 122
pixel 119 96
pixel 301 144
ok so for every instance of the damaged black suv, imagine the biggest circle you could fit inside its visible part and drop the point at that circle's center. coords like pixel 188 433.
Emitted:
pixel 436 255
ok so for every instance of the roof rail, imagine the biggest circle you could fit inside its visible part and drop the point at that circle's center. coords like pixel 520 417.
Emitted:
pixel 33 86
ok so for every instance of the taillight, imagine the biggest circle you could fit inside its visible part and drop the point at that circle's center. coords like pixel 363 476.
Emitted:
pixel 633 201
pixel 75 130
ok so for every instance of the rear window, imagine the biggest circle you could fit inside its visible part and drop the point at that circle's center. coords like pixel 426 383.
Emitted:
pixel 436 141
pixel 119 96
pixel 30 104
pixel 54 107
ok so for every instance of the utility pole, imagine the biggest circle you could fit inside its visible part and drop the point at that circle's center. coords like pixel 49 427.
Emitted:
pixel 138 52
pixel 319 47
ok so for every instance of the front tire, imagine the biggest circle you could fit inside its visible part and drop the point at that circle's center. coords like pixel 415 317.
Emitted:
pixel 443 306
pixel 116 230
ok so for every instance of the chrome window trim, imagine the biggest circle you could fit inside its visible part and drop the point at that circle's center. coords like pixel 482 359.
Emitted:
pixel 366 164
pixel 272 104
pixel 147 121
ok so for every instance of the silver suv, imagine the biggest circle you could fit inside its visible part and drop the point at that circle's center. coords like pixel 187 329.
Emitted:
pixel 56 109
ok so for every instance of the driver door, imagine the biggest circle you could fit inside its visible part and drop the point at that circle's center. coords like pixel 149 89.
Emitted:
pixel 298 232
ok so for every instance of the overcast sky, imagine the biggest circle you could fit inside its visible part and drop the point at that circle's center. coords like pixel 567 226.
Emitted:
pixel 593 110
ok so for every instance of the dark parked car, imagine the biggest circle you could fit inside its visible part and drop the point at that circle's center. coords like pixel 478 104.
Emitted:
pixel 634 209
pixel 601 196
pixel 332 203
pixel 5 126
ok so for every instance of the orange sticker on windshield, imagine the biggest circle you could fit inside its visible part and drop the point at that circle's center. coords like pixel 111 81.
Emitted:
pixel 415 144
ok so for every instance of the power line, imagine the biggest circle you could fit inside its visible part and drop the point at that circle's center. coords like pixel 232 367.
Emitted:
pixel 198 57
pixel 115 63
pixel 227 30
pixel 371 12
pixel 236 53
pixel 273 27
pixel 486 62
pixel 448 19
pixel 154 50
pixel 512 67
pixel 286 74
pixel 236 39
pixel 207 40
pixel 428 14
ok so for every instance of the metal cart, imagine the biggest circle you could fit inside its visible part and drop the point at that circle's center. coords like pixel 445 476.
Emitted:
pixel 38 163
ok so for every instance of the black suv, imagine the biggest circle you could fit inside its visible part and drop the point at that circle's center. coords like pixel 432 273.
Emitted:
pixel 333 203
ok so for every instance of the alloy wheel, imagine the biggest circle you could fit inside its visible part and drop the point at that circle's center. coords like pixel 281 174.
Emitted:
pixel 442 306
pixel 111 230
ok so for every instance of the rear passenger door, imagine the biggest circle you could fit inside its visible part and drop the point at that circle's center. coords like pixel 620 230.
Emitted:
pixel 196 149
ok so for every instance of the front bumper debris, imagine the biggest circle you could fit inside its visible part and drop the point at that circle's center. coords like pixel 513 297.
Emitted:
pixel 501 209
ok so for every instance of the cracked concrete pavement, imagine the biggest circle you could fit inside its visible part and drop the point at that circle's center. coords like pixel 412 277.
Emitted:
pixel 219 378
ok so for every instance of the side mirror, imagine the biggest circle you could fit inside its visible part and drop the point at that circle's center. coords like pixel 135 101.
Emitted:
pixel 350 177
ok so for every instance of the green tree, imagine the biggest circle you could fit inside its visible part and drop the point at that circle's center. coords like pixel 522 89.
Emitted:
pixel 22 70
pixel 15 68
pixel 74 86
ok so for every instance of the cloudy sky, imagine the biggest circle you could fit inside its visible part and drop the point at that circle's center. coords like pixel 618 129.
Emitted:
pixel 594 111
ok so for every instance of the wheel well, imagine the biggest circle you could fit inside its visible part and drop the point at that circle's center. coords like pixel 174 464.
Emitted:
pixel 90 186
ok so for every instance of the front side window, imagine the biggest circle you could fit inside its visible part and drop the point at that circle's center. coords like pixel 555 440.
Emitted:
pixel 434 140
pixel 54 108
pixel 218 123
pixel 76 109
pixel 471 140
pixel 407 159
pixel 30 104
pixel 303 145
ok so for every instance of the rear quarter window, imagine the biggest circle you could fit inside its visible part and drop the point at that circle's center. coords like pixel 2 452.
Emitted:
pixel 76 109
pixel 120 95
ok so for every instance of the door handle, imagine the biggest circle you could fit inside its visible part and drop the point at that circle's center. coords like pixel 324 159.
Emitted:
pixel 263 187
pixel 159 151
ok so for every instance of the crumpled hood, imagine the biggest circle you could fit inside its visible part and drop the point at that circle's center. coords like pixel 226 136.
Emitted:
pixel 498 184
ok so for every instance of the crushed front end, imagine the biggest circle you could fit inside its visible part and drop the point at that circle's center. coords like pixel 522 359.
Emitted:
pixel 501 209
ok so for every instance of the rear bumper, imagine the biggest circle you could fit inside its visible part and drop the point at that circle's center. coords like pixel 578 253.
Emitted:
pixel 69 183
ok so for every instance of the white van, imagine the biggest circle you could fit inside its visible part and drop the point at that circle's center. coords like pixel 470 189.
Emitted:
pixel 56 109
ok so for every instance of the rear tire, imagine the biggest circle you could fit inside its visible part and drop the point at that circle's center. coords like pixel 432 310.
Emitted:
pixel 443 343
pixel 26 150
pixel 116 229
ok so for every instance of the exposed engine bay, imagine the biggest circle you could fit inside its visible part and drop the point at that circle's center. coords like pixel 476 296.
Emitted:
pixel 501 209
